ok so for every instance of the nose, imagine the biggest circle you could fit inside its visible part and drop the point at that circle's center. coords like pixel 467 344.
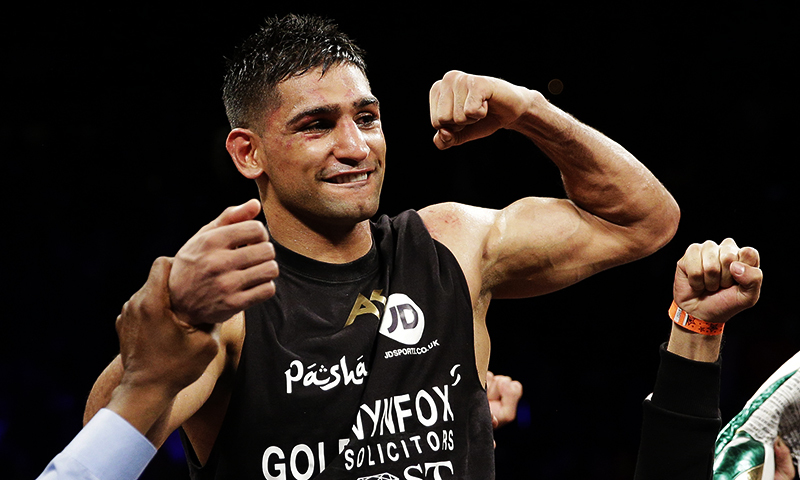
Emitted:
pixel 350 145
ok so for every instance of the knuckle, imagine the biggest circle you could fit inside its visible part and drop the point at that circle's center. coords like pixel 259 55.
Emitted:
pixel 269 289
pixel 225 284
pixel 205 241
pixel 712 270
pixel 692 249
pixel 453 74
pixel 269 251
pixel 273 269
pixel 232 302
pixel 727 257
pixel 228 211
pixel 253 227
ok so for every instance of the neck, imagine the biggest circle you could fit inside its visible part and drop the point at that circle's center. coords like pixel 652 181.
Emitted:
pixel 322 242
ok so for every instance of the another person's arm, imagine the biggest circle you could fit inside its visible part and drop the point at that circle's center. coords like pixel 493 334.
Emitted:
pixel 161 355
pixel 681 418
pixel 226 267
pixel 503 393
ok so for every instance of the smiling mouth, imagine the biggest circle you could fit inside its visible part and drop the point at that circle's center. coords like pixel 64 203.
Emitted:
pixel 350 178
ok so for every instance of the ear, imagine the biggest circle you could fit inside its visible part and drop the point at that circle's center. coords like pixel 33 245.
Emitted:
pixel 243 145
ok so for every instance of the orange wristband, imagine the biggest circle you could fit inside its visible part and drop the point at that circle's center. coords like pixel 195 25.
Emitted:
pixel 696 325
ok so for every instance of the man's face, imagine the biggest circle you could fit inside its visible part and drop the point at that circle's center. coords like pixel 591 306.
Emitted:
pixel 323 148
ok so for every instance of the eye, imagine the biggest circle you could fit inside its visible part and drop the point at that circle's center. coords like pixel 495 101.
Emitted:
pixel 318 125
pixel 367 119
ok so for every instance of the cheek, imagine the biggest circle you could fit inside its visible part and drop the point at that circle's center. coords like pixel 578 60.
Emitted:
pixel 295 167
pixel 377 143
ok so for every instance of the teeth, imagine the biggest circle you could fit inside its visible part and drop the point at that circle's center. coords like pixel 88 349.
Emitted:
pixel 355 177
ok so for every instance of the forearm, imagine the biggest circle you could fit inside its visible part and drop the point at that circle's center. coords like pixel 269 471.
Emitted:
pixel 103 389
pixel 599 175
pixel 141 406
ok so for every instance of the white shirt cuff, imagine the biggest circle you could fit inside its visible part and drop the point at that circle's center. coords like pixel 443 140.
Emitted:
pixel 107 448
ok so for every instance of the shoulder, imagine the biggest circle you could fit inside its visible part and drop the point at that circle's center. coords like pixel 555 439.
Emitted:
pixel 464 230
pixel 447 222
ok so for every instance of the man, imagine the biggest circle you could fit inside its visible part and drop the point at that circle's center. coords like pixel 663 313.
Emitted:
pixel 161 355
pixel 370 360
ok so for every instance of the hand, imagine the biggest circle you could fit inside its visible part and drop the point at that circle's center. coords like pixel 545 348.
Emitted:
pixel 159 352
pixel 504 394
pixel 715 282
pixel 784 467
pixel 228 266
pixel 466 107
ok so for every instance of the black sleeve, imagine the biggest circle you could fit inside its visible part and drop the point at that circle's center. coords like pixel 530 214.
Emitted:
pixel 680 421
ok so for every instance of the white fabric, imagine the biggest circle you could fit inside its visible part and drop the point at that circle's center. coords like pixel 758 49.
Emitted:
pixel 107 448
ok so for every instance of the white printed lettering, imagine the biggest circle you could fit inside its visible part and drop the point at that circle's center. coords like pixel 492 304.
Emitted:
pixel 358 427
pixel 374 415
pixel 302 461
pixel 445 401
pixel 279 467
pixel 412 477
pixel 435 466
pixel 415 439
pixel 348 459
pixel 430 420
pixel 293 462
pixel 323 377
pixel 388 422
pixel 433 441
pixel 293 378
pixel 402 414
pixel 392 446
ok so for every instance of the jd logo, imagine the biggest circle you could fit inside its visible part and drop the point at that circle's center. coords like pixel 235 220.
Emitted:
pixel 403 320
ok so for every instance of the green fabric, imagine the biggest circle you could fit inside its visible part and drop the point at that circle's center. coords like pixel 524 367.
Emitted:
pixel 740 455
pixel 736 452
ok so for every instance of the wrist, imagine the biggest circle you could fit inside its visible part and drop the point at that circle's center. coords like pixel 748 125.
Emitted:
pixel 693 338
pixel 540 119
pixel 141 403
pixel 689 322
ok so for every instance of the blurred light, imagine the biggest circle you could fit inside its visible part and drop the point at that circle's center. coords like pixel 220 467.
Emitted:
pixel 555 86
pixel 523 414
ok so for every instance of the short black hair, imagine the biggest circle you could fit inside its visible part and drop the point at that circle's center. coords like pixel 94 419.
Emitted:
pixel 281 48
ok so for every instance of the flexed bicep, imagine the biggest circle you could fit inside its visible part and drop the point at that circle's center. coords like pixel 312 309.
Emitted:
pixel 540 245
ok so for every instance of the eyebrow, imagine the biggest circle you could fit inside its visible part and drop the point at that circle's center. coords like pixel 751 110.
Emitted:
pixel 332 109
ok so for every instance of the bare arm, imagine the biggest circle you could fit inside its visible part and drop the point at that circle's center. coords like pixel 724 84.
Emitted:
pixel 617 210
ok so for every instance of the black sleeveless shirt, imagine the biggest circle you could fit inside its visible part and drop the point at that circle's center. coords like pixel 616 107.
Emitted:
pixel 363 370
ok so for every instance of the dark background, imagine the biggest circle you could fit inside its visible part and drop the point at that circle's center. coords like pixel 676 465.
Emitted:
pixel 113 153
